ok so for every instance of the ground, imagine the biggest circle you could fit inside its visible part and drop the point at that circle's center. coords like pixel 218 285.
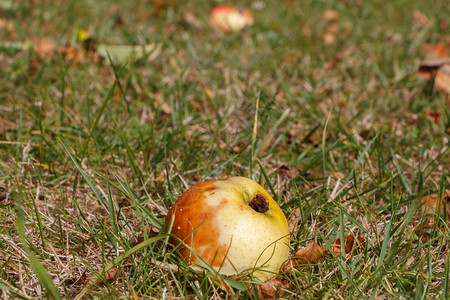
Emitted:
pixel 319 101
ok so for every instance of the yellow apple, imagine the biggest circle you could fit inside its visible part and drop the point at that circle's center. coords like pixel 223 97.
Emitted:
pixel 228 18
pixel 233 225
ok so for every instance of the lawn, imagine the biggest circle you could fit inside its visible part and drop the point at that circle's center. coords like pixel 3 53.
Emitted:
pixel 318 101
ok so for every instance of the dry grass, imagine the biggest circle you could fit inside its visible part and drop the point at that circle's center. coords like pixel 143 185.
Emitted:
pixel 92 156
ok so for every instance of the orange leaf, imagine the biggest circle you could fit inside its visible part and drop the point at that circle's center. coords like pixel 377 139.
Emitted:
pixel 436 117
pixel 110 276
pixel 442 80
pixel 305 256
pixel 349 245
pixel 428 68
pixel 430 205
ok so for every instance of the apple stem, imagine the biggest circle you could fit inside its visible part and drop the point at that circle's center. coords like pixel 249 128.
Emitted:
pixel 259 203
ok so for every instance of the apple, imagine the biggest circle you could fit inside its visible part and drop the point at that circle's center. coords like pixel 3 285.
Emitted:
pixel 231 224
pixel 228 18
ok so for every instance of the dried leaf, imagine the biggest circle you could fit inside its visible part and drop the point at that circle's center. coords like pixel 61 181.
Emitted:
pixel 420 19
pixel 295 221
pixel 121 54
pixel 192 20
pixel 305 256
pixel 430 206
pixel 8 5
pixel 439 50
pixel 428 68
pixel 329 38
pixel 151 232
pixel 350 245
pixel 110 276
pixel 442 79
pixel 272 288
pixel 434 116
pixel 6 125
pixel 331 15
pixel 44 47
pixel 6 25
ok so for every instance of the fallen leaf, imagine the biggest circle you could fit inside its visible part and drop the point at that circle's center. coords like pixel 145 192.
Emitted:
pixel 6 125
pixel 227 18
pixel 331 15
pixel 192 20
pixel 442 79
pixel 16 46
pixel 121 54
pixel 272 288
pixel 429 206
pixel 420 19
pixel 439 50
pixel 6 25
pixel 351 248
pixel 151 232
pixel 305 256
pixel 329 38
pixel 110 276
pixel 295 220
pixel 8 5
pixel 436 117
pixel 44 47
pixel 428 68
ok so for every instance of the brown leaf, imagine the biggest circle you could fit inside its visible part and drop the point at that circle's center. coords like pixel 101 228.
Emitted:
pixel 44 47
pixel 151 232
pixel 6 25
pixel 420 19
pixel 428 68
pixel 439 50
pixel 296 219
pixel 350 245
pixel 442 79
pixel 429 205
pixel 305 256
pixel 6 125
pixel 110 276
pixel 329 38
pixel 331 15
pixel 434 116
pixel 271 288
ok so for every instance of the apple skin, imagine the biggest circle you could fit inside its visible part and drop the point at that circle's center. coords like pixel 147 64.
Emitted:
pixel 215 220
pixel 228 18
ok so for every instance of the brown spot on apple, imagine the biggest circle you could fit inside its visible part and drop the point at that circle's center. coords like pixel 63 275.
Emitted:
pixel 259 203
pixel 195 225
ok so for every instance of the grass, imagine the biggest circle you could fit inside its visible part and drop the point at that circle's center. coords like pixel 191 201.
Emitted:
pixel 93 155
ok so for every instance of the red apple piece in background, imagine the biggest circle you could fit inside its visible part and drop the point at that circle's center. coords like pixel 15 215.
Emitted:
pixel 227 18
pixel 232 224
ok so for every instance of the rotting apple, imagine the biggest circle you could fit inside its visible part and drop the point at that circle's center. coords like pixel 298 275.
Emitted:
pixel 233 225
pixel 228 18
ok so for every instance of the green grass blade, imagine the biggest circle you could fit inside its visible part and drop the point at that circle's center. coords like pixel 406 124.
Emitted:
pixel 40 271
pixel 117 261
pixel 85 177
pixel 387 236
